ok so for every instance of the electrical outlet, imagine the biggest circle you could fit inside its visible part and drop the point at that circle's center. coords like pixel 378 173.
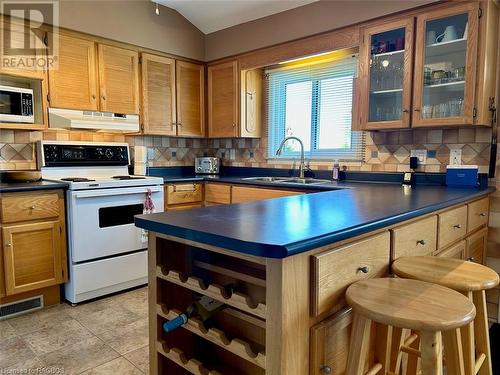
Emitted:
pixel 456 156
pixel 420 154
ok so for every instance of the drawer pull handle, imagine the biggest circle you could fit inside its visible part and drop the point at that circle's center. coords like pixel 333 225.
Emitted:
pixel 326 369
pixel 471 259
pixel 421 242
pixel 32 207
pixel 8 244
pixel 457 226
pixel 191 190
pixel 364 269
pixel 482 214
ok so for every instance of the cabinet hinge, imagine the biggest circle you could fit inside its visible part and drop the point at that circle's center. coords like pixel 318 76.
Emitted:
pixel 474 112
pixel 46 39
pixel 479 12
pixel 48 97
pixel 140 59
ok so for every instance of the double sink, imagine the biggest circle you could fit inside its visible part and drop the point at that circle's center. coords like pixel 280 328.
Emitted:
pixel 287 180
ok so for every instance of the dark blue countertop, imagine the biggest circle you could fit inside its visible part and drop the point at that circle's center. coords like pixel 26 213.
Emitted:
pixel 277 228
pixel 10 187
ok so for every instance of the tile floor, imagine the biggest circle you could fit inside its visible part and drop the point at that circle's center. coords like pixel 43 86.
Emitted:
pixel 104 337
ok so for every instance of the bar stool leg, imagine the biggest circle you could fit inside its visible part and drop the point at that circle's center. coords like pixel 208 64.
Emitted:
pixel 481 331
pixel 469 350
pixel 359 345
pixel 452 342
pixel 383 335
pixel 432 353
pixel 398 338
pixel 412 362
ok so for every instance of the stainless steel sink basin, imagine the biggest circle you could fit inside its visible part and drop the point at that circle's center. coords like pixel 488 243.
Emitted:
pixel 287 180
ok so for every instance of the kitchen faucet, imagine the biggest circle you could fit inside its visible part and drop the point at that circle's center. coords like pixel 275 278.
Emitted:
pixel 302 163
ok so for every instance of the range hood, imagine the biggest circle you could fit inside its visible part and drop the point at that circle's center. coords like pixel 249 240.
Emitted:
pixel 90 120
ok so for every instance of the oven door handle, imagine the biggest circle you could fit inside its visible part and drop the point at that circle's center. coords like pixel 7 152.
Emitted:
pixel 121 191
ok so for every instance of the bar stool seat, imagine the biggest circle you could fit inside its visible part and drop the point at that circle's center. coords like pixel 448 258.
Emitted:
pixel 450 272
pixel 437 313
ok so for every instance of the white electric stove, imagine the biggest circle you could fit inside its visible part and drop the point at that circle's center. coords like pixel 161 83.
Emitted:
pixel 107 253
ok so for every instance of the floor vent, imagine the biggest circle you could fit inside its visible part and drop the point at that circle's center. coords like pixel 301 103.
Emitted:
pixel 24 306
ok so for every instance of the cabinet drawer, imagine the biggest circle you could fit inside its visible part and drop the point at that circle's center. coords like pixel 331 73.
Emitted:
pixel 456 251
pixel 217 193
pixel 242 194
pixel 417 238
pixel 452 225
pixel 478 214
pixel 18 207
pixel 334 270
pixel 183 193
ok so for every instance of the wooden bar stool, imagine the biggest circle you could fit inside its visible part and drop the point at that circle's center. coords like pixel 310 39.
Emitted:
pixel 472 280
pixel 434 311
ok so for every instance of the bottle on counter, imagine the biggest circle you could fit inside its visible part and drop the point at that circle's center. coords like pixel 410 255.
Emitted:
pixel 203 308
pixel 335 170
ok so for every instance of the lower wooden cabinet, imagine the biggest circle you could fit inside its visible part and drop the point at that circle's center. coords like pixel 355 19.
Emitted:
pixel 217 194
pixel 242 194
pixel 32 254
pixel 476 246
pixel 456 251
pixel 33 251
pixel 183 196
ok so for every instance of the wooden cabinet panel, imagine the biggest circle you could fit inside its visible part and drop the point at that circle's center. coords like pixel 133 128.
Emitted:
pixel 2 273
pixel 223 100
pixel 478 214
pixel 414 239
pixel 242 194
pixel 217 193
pixel 32 256
pixel 18 207
pixel 190 99
pixel 452 225
pixel 158 95
pixel 456 251
pixel 18 36
pixel 73 84
pixel 357 261
pixel 118 79
pixel 182 194
pixel 330 345
pixel 476 246
pixel 251 103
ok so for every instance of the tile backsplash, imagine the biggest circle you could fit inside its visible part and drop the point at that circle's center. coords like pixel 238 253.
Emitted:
pixel 385 151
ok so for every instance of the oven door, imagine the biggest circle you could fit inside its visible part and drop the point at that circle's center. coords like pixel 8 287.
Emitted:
pixel 101 221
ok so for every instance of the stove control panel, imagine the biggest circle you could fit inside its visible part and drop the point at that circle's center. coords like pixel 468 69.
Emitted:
pixel 56 155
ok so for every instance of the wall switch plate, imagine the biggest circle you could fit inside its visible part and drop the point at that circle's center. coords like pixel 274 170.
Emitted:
pixel 456 156
pixel 420 154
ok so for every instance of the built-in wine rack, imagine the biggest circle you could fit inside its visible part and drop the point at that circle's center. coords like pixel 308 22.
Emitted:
pixel 233 342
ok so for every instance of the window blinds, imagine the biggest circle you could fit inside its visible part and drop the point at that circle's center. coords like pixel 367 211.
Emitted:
pixel 313 102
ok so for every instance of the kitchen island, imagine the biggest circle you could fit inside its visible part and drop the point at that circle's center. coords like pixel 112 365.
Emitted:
pixel 289 261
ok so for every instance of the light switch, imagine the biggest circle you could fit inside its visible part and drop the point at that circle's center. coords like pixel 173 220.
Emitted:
pixel 455 156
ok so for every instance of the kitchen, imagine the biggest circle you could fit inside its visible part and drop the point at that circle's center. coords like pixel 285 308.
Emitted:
pixel 292 158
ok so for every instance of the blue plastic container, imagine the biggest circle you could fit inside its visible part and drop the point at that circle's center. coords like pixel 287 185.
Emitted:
pixel 462 175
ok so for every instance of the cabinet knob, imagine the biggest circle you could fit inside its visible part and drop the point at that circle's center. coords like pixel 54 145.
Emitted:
pixel 234 125
pixel 8 244
pixel 32 207
pixel 482 214
pixel 471 259
pixel 417 109
pixel 364 269
pixel 457 226
pixel 326 369
pixel 93 96
pixel 405 111
pixel 103 97
pixel 421 242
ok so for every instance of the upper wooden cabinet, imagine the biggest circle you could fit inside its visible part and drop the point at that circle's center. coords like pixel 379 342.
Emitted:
pixel 251 103
pixel 223 100
pixel 445 66
pixel 385 75
pixel 158 95
pixel 453 72
pixel 74 83
pixel 190 85
pixel 118 79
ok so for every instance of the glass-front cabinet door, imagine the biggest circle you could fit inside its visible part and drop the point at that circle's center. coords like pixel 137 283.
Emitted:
pixel 385 75
pixel 445 60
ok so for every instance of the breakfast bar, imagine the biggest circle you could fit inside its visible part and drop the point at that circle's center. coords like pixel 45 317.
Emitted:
pixel 289 262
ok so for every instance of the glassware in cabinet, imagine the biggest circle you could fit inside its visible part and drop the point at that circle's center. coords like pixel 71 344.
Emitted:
pixel 444 68
pixel 385 71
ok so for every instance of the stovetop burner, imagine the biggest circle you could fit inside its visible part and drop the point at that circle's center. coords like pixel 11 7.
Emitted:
pixel 128 178
pixel 76 179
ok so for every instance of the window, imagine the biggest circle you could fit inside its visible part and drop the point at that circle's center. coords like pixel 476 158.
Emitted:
pixel 314 103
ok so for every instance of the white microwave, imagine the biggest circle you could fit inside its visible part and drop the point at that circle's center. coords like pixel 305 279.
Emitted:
pixel 16 105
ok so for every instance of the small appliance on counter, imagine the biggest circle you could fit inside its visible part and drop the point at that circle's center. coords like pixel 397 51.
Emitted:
pixel 409 178
pixel 462 175
pixel 207 165
pixel 16 105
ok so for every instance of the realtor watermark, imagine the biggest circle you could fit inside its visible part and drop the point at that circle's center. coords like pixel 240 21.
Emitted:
pixel 36 370
pixel 29 37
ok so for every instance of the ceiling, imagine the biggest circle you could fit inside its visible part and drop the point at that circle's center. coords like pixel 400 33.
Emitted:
pixel 214 15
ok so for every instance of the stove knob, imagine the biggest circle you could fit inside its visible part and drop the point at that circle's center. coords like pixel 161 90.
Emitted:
pixel 109 153
pixel 99 152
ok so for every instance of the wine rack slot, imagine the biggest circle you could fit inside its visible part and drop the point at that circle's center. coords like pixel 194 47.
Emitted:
pixel 236 299
pixel 236 346
pixel 178 357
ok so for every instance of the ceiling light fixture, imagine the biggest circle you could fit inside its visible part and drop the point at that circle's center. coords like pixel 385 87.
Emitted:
pixel 157 10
